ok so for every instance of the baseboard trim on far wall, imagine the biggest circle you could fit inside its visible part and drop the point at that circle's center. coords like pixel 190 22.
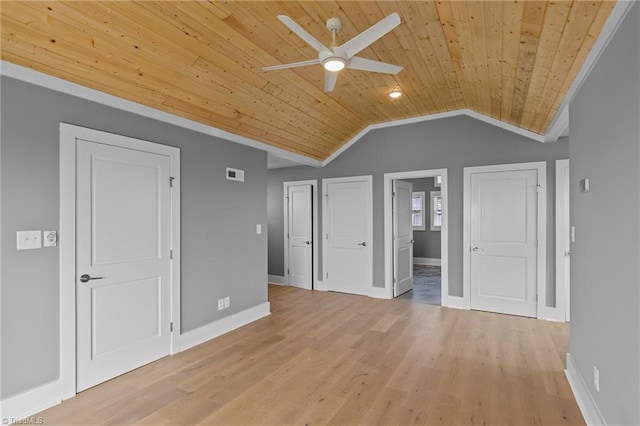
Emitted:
pixel 207 332
pixel 587 405
pixel 276 279
pixel 427 261
pixel 29 402
pixel 379 293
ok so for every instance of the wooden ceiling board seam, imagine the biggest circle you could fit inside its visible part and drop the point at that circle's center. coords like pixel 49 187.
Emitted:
pixel 570 43
pixel 593 32
pixel 438 42
pixel 556 17
pixel 479 55
pixel 200 114
pixel 415 80
pixel 429 72
pixel 303 107
pixel 99 17
pixel 533 17
pixel 460 19
pixel 512 21
pixel 493 15
pixel 343 116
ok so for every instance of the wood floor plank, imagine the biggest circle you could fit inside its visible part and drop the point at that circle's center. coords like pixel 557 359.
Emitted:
pixel 328 358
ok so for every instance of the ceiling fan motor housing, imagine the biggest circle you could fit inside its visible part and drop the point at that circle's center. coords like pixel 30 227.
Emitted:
pixel 334 24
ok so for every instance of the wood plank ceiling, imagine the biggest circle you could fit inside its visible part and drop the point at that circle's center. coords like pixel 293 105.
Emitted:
pixel 510 60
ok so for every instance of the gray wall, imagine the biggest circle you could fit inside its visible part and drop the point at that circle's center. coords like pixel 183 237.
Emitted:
pixel 452 143
pixel 427 242
pixel 605 274
pixel 221 253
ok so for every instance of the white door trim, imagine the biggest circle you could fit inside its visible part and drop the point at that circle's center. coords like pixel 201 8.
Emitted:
pixel 562 231
pixel 541 272
pixel 67 243
pixel 373 292
pixel 444 233
pixel 314 197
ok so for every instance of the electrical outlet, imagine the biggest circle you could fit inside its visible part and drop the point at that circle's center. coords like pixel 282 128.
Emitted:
pixel 596 378
pixel 220 304
pixel 227 302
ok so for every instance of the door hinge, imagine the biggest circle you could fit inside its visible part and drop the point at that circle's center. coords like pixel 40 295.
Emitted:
pixel 170 254
pixel 171 327
pixel 287 235
pixel 171 179
pixel 538 187
pixel 327 275
pixel 288 272
pixel 327 236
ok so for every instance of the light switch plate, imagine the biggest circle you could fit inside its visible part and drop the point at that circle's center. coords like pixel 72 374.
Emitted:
pixel 29 240
pixel 258 229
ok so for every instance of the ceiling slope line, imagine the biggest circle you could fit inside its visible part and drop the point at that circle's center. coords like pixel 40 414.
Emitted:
pixel 561 125
pixel 37 78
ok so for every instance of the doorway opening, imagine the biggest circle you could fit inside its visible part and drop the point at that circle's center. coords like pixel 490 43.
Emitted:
pixel 428 263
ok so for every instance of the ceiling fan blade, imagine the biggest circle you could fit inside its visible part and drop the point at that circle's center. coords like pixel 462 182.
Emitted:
pixel 357 63
pixel 330 80
pixel 371 34
pixel 292 65
pixel 303 34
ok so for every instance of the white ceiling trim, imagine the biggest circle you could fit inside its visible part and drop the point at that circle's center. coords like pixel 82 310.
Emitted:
pixel 54 83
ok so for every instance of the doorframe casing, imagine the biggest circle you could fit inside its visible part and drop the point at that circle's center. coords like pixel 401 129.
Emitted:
pixel 369 208
pixel 69 134
pixel 541 230
pixel 562 232
pixel 314 225
pixel 444 232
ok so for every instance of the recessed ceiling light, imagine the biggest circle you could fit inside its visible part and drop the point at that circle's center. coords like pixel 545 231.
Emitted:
pixel 395 94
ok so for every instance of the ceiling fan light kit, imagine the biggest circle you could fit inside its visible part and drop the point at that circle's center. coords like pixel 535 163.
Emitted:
pixel 336 58
pixel 395 94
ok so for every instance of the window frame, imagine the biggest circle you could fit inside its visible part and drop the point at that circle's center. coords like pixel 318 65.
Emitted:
pixel 422 196
pixel 432 211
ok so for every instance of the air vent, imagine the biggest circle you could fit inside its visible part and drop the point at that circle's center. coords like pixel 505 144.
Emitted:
pixel 235 174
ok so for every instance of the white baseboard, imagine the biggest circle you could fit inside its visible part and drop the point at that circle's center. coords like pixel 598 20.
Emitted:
pixel 276 279
pixel 587 405
pixel 28 403
pixel 455 302
pixel 427 261
pixel 207 332
pixel 551 314
pixel 320 286
pixel 379 293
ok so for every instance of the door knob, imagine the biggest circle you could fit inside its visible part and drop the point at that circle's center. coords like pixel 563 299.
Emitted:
pixel 476 248
pixel 86 278
pixel 363 244
pixel 412 241
pixel 307 242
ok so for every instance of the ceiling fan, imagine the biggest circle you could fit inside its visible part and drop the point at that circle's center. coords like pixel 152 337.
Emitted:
pixel 334 58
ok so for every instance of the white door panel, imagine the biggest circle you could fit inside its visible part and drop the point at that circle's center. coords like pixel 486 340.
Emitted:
pixel 348 227
pixel 403 237
pixel 503 242
pixel 300 233
pixel 123 234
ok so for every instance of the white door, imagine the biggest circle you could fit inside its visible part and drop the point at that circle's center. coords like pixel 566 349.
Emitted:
pixel 503 233
pixel 348 233
pixel 402 238
pixel 300 235
pixel 123 260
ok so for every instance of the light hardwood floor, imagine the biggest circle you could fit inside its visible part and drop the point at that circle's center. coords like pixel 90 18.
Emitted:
pixel 328 358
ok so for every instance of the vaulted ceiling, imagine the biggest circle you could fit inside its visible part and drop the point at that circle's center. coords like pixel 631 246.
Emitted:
pixel 513 61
